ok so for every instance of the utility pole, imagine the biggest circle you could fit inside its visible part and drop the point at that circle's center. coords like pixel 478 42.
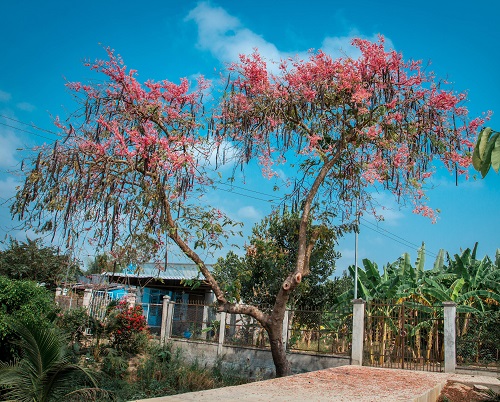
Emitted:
pixel 356 254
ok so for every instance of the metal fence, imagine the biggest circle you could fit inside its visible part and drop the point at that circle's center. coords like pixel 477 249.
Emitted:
pixel 243 330
pixel 195 321
pixel 478 341
pixel 405 336
pixel 313 331
pixel 320 331
pixel 98 305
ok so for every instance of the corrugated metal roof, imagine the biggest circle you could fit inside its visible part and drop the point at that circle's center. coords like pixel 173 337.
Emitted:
pixel 174 271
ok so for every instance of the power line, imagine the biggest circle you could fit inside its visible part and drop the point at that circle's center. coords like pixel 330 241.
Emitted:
pixel 404 242
pixel 379 230
pixel 246 189
pixel 26 131
pixel 245 195
pixel 28 124
pixel 416 246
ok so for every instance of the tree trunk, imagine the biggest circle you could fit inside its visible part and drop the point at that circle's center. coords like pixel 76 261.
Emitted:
pixel 278 351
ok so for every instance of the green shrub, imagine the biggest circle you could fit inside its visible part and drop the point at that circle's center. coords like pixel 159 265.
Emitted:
pixel 161 372
pixel 74 323
pixel 114 364
pixel 26 302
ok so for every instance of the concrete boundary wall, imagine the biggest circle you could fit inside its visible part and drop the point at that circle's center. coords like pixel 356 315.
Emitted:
pixel 251 362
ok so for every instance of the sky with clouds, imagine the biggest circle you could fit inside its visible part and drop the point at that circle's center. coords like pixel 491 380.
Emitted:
pixel 43 44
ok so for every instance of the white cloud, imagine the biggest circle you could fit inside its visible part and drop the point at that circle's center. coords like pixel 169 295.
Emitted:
pixel 249 212
pixel 340 46
pixel 226 38
pixel 8 149
pixel 386 206
pixel 8 188
pixel 224 35
pixel 224 156
pixel 4 96
pixel 25 106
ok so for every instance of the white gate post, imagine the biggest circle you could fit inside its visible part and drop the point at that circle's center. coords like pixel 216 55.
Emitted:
pixel 166 319
pixel 222 331
pixel 204 322
pixel 87 295
pixel 358 331
pixel 450 358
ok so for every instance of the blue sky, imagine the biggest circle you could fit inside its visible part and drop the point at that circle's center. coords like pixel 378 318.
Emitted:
pixel 44 43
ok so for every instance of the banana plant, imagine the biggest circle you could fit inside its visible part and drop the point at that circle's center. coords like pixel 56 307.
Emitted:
pixel 487 151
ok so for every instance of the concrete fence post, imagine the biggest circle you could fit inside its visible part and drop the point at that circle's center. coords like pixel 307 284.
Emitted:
pixel 131 298
pixel 358 331
pixel 222 331
pixel 87 295
pixel 166 319
pixel 204 322
pixel 285 329
pixel 450 356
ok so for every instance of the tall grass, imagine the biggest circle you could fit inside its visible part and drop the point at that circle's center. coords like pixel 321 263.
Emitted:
pixel 162 371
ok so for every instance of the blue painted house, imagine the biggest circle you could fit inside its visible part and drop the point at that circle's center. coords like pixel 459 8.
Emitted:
pixel 151 282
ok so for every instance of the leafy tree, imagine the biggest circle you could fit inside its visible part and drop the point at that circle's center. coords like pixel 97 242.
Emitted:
pixel 487 151
pixel 269 259
pixel 130 167
pixel 33 261
pixel 102 263
pixel 477 282
pixel 45 371
pixel 27 303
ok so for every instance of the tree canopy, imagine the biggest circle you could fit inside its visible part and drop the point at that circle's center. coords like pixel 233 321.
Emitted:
pixel 32 260
pixel 270 256
pixel 134 157
pixel 26 302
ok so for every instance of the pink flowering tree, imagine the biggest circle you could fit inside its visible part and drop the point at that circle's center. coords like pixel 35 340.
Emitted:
pixel 128 172
pixel 132 163
pixel 351 126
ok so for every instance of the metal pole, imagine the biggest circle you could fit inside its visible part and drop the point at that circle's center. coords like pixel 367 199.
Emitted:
pixel 356 254
pixel 356 266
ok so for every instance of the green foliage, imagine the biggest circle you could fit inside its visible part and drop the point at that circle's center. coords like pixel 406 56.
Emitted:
pixel 161 372
pixel 74 322
pixel 114 364
pixel 471 283
pixel 270 257
pixel 127 328
pixel 479 338
pixel 487 151
pixel 25 302
pixel 31 260
pixel 102 263
pixel 45 371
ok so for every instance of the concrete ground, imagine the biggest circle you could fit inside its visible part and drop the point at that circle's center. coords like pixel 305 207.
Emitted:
pixel 344 384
